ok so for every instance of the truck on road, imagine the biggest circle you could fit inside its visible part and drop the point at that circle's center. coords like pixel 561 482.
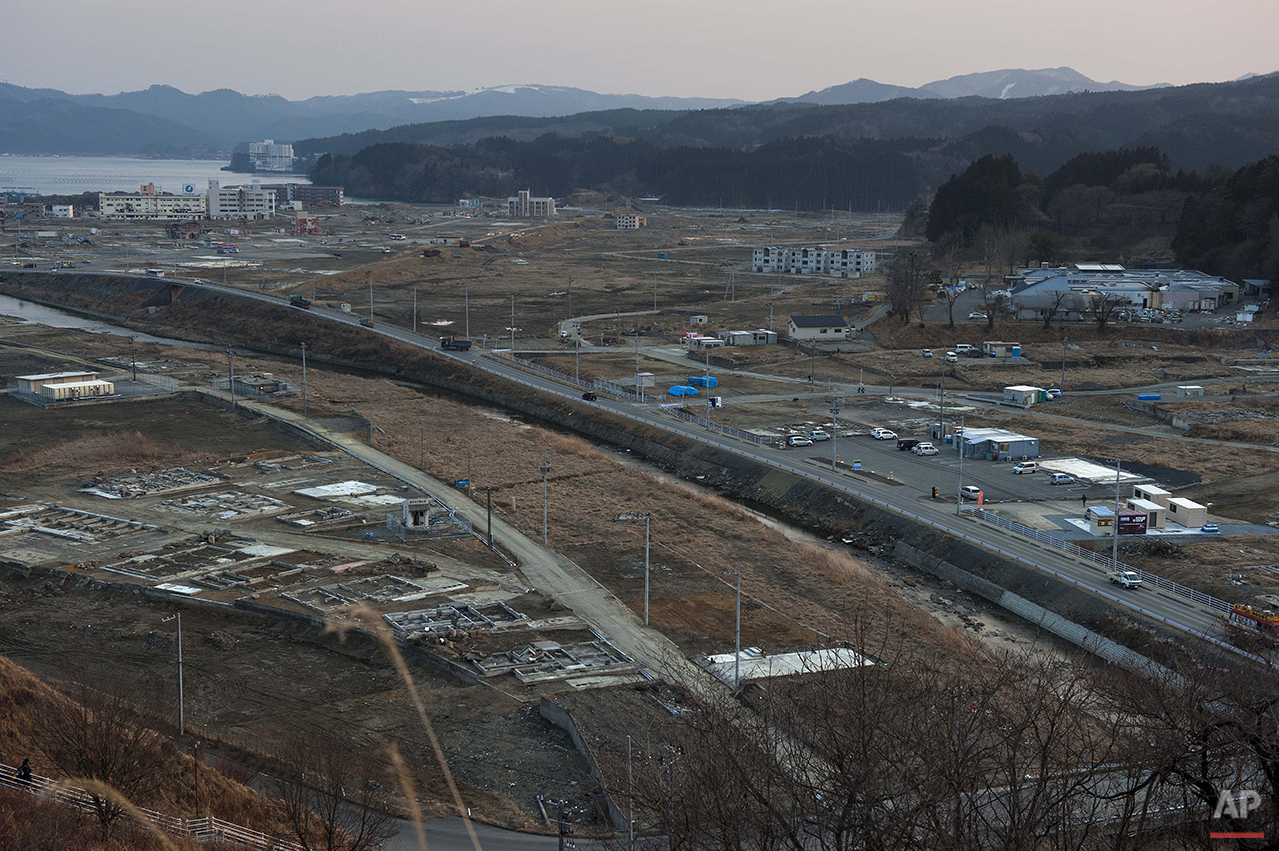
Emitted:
pixel 300 301
pixel 1126 578
pixel 454 343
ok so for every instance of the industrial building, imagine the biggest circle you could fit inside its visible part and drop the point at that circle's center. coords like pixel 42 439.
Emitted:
pixel 149 204
pixel 845 263
pixel 997 444
pixel 268 156
pixel 819 329
pixel 630 221
pixel 241 202
pixel 525 206
pixel 64 386
pixel 1068 292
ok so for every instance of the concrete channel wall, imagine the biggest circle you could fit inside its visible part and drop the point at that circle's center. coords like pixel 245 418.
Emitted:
pixel 562 718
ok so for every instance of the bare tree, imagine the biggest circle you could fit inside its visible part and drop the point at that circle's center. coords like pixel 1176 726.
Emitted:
pixel 1056 300
pixel 1101 307
pixel 988 246
pixel 908 278
pixel 947 255
pixel 994 304
pixel 1015 242
pixel 333 795
pixel 102 732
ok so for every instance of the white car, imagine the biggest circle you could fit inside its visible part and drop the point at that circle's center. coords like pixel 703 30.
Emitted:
pixel 969 492
pixel 819 435
pixel 1061 479
pixel 925 449
pixel 951 357
pixel 799 440
pixel 928 353
pixel 974 316
pixel 1053 393
pixel 883 434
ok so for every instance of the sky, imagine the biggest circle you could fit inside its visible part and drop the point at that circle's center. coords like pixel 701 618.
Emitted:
pixel 746 49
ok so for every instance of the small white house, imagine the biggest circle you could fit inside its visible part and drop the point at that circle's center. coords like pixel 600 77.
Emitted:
pixel 819 329
pixel 1189 391
pixel 698 319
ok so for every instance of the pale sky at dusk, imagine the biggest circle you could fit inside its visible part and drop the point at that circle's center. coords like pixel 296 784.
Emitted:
pixel 713 48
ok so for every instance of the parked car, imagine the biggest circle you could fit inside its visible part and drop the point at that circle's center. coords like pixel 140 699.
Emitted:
pixel 1053 393
pixel 928 353
pixel 925 449
pixel 907 443
pixel 1060 479
pixel 1026 467
pixel 964 348
pixel 975 316
pixel 951 357
pixel 883 434
pixel 819 436
pixel 588 396
pixel 799 440
pixel 969 492
pixel 1210 529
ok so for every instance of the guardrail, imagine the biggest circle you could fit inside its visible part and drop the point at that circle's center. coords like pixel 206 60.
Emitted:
pixel 723 429
pixel 610 387
pixel 206 829
pixel 1105 561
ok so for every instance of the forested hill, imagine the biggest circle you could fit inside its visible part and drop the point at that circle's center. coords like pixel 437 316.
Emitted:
pixel 1212 123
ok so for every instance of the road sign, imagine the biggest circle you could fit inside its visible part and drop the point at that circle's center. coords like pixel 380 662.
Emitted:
pixel 462 483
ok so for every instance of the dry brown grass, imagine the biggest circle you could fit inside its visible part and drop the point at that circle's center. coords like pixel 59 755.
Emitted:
pixel 108 452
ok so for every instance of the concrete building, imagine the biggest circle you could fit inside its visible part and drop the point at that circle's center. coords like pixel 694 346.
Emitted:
pixel 122 206
pixel 819 329
pixel 630 221
pixel 1187 512
pixel 268 156
pixel 62 211
pixel 525 206
pixel 1156 515
pixel 241 202
pixel 307 195
pixel 184 230
pixel 307 225
pixel 998 444
pixel 1037 291
pixel 1023 395
pixel 845 263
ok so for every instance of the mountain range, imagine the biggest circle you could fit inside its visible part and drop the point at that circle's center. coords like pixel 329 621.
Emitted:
pixel 163 120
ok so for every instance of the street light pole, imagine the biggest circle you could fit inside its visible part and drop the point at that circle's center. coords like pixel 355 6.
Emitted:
pixel 1114 546
pixel 304 413
pixel 890 367
pixel 959 492
pixel 133 361
pixel 230 370
pixel 415 310
pixel 1064 341
pixel 181 710
pixel 941 401
pixel 737 640
pixel 546 468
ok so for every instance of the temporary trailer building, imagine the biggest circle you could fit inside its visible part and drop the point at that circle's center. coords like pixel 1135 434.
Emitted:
pixel 1152 493
pixel 1101 520
pixel 1156 514
pixel 1187 512
pixel 1024 395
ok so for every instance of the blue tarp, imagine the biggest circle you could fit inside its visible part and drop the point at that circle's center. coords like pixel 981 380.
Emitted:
pixel 682 390
pixel 703 381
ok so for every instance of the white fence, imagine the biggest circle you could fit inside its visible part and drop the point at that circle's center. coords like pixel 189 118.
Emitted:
pixel 207 829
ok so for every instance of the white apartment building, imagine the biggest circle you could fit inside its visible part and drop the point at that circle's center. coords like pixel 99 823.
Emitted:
pixel 62 211
pixel 140 206
pixel 241 202
pixel 268 156
pixel 845 263
pixel 525 206
pixel 630 221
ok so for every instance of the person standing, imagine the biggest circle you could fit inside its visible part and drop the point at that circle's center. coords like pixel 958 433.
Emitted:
pixel 24 771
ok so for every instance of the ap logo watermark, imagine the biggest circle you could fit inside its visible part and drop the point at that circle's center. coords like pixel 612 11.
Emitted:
pixel 1237 805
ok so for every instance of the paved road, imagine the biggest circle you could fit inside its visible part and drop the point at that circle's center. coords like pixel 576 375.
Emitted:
pixel 1165 606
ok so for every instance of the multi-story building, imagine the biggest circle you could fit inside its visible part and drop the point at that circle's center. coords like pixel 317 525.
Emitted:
pixel 525 206
pixel 630 221
pixel 268 156
pixel 307 195
pixel 845 263
pixel 130 206
pixel 241 202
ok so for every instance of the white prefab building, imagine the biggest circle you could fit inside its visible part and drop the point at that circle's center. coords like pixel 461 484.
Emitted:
pixel 698 342
pixel 1156 515
pixel 1189 391
pixel 524 206
pixel 1187 512
pixel 143 206
pixel 1023 395
pixel 61 386
pixel 819 329
pixel 758 337
pixel 241 202
pixel 268 156
pixel 1152 493
pixel 845 263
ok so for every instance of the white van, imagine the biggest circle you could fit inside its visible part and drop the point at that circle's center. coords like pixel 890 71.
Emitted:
pixel 1026 467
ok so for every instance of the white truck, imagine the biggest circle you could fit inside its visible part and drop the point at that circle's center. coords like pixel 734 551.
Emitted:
pixel 1126 578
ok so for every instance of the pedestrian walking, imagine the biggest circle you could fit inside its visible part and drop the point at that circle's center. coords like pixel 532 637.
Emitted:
pixel 1084 498
pixel 24 771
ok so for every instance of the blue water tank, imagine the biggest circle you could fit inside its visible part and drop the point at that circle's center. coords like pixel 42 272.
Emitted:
pixel 1149 397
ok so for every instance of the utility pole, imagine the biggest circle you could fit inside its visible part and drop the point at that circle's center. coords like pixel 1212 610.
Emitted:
pixel 630 801
pixel 646 522
pixel 512 324
pixel 466 296
pixel 637 380
pixel 415 310
pixel 369 277
pixel 304 413
pixel 230 371
pixel 490 516
pixel 468 473
pixel 570 296
pixel 546 468
pixel 133 361
pixel 770 306
pixel 890 367
pixel 737 641
pixel 654 291
pixel 812 368
pixel 421 447
pixel 959 492
pixel 577 357
pixel 941 399
pixel 563 825
pixel 1062 386
pixel 834 430
pixel 1114 546
pixel 706 385
pixel 181 710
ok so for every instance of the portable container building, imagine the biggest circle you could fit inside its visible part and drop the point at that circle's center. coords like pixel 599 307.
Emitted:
pixel 1152 493
pixel 1132 522
pixel 1187 512
pixel 1156 514
pixel 1101 520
